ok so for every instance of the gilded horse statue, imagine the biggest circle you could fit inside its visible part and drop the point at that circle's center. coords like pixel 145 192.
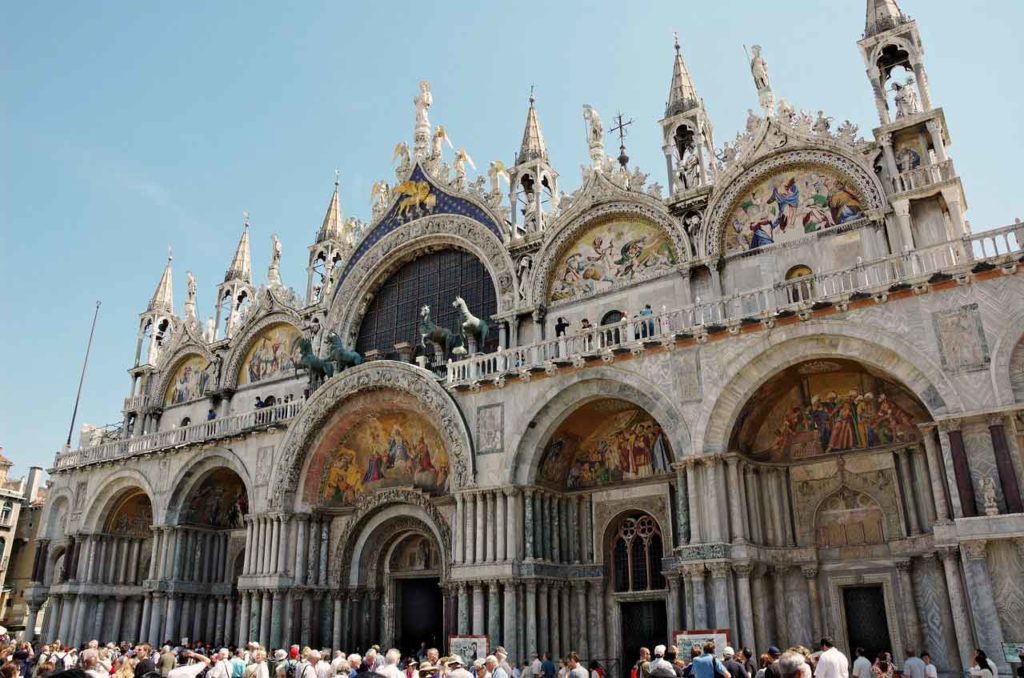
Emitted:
pixel 418 198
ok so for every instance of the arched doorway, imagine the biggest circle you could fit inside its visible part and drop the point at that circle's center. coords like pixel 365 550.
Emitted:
pixel 209 530
pixel 635 582
pixel 412 584
pixel 125 548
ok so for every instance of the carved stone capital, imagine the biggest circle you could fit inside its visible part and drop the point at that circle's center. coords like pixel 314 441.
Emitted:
pixel 903 565
pixel 719 569
pixel 809 571
pixel 975 549
pixel 998 419
pixel 694 570
pixel 947 425
pixel 742 569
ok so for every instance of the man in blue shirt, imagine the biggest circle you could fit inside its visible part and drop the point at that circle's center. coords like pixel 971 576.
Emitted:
pixel 708 666
pixel 547 667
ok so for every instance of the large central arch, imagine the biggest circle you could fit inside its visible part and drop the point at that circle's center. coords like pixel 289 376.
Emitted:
pixel 353 295
pixel 378 375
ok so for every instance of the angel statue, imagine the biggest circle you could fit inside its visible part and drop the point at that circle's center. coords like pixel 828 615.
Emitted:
pixel 380 197
pixel 440 136
pixel 401 154
pixel 496 172
pixel 461 160
pixel 906 99
pixel 190 300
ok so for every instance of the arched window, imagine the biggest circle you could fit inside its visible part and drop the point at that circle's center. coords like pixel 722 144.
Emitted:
pixel 800 285
pixel 612 319
pixel 636 555
pixel 432 280
pixel 6 511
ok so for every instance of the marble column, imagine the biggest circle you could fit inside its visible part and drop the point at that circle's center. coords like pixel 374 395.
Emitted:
pixel 779 574
pixel 672 603
pixel 513 524
pixel 276 613
pixel 219 632
pixel 543 615
pixel 265 619
pixel 598 646
pixel 566 609
pixel 479 621
pixel 491 535
pixel 711 495
pixel 457 538
pixel 508 633
pixel 983 603
pixel 738 530
pixel 745 610
pixel 926 516
pixel 1005 467
pixel 588 530
pixel 958 604
pixel 528 537
pixel 759 593
pixel 697 529
pixel 463 608
pixel 903 464
pixel 494 612
pixel 549 532
pixel 117 622
pixel 695 574
pixel 580 628
pixel 300 549
pixel 911 623
pixel 531 615
pixel 479 513
pixel 958 467
pixel 336 617
pixel 682 505
pixel 573 525
pixel 555 612
pixel 720 593
pixel 243 623
pixel 173 619
pixel 810 573
pixel 325 540
pixel 936 473
pixel 156 620
pixel 250 546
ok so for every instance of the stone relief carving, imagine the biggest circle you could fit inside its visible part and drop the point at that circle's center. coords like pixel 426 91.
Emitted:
pixel 368 376
pixel 961 338
pixel 490 429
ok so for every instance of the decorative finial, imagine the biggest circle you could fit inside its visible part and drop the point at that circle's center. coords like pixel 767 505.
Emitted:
pixel 620 127
pixel 532 98
pixel 170 254
pixel 245 219
pixel 675 34
pixel 337 177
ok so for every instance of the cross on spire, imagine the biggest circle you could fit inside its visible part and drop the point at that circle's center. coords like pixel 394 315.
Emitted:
pixel 620 126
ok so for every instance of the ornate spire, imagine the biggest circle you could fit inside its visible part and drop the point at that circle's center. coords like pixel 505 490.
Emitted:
pixel 331 228
pixel 533 146
pixel 682 94
pixel 882 15
pixel 163 297
pixel 241 265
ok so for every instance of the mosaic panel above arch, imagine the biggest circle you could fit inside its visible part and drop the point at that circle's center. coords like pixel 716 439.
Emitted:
pixel 379 439
pixel 189 381
pixel 611 253
pixel 604 442
pixel 788 204
pixel 272 354
pixel 822 407
pixel 219 500
pixel 132 516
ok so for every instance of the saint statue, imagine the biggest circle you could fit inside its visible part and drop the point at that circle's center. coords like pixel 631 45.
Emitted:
pixel 595 136
pixel 274 272
pixel 759 69
pixel 422 102
pixel 191 298
pixel 906 99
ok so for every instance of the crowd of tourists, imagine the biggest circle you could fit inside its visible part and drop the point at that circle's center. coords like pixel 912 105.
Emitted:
pixel 191 660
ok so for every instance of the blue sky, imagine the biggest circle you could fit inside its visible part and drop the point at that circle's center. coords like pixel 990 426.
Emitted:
pixel 126 127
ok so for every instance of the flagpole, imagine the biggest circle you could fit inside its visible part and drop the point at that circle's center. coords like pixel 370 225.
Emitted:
pixel 81 379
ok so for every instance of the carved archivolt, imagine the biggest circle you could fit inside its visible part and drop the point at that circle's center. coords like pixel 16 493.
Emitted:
pixel 242 342
pixel 370 505
pixel 740 180
pixel 379 375
pixel 601 199
pixel 352 297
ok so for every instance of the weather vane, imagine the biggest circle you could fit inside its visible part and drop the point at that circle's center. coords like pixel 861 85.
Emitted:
pixel 620 127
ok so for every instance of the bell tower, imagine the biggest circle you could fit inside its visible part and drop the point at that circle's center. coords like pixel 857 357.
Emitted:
pixel 236 293
pixel 688 135
pixel 533 183
pixel 157 321
pixel 326 251
pixel 925 192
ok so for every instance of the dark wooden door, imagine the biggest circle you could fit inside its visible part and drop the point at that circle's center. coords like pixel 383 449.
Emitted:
pixel 643 625
pixel 866 621
pixel 421 615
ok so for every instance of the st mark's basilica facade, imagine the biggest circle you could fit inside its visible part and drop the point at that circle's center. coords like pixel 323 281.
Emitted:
pixel 782 394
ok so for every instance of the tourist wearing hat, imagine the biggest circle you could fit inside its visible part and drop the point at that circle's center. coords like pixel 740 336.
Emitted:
pixel 426 669
pixel 456 668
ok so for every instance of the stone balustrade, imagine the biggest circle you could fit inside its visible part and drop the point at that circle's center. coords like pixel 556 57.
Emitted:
pixel 783 299
pixel 924 176
pixel 136 403
pixel 207 430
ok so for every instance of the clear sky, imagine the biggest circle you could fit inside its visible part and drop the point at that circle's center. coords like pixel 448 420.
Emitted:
pixel 126 127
